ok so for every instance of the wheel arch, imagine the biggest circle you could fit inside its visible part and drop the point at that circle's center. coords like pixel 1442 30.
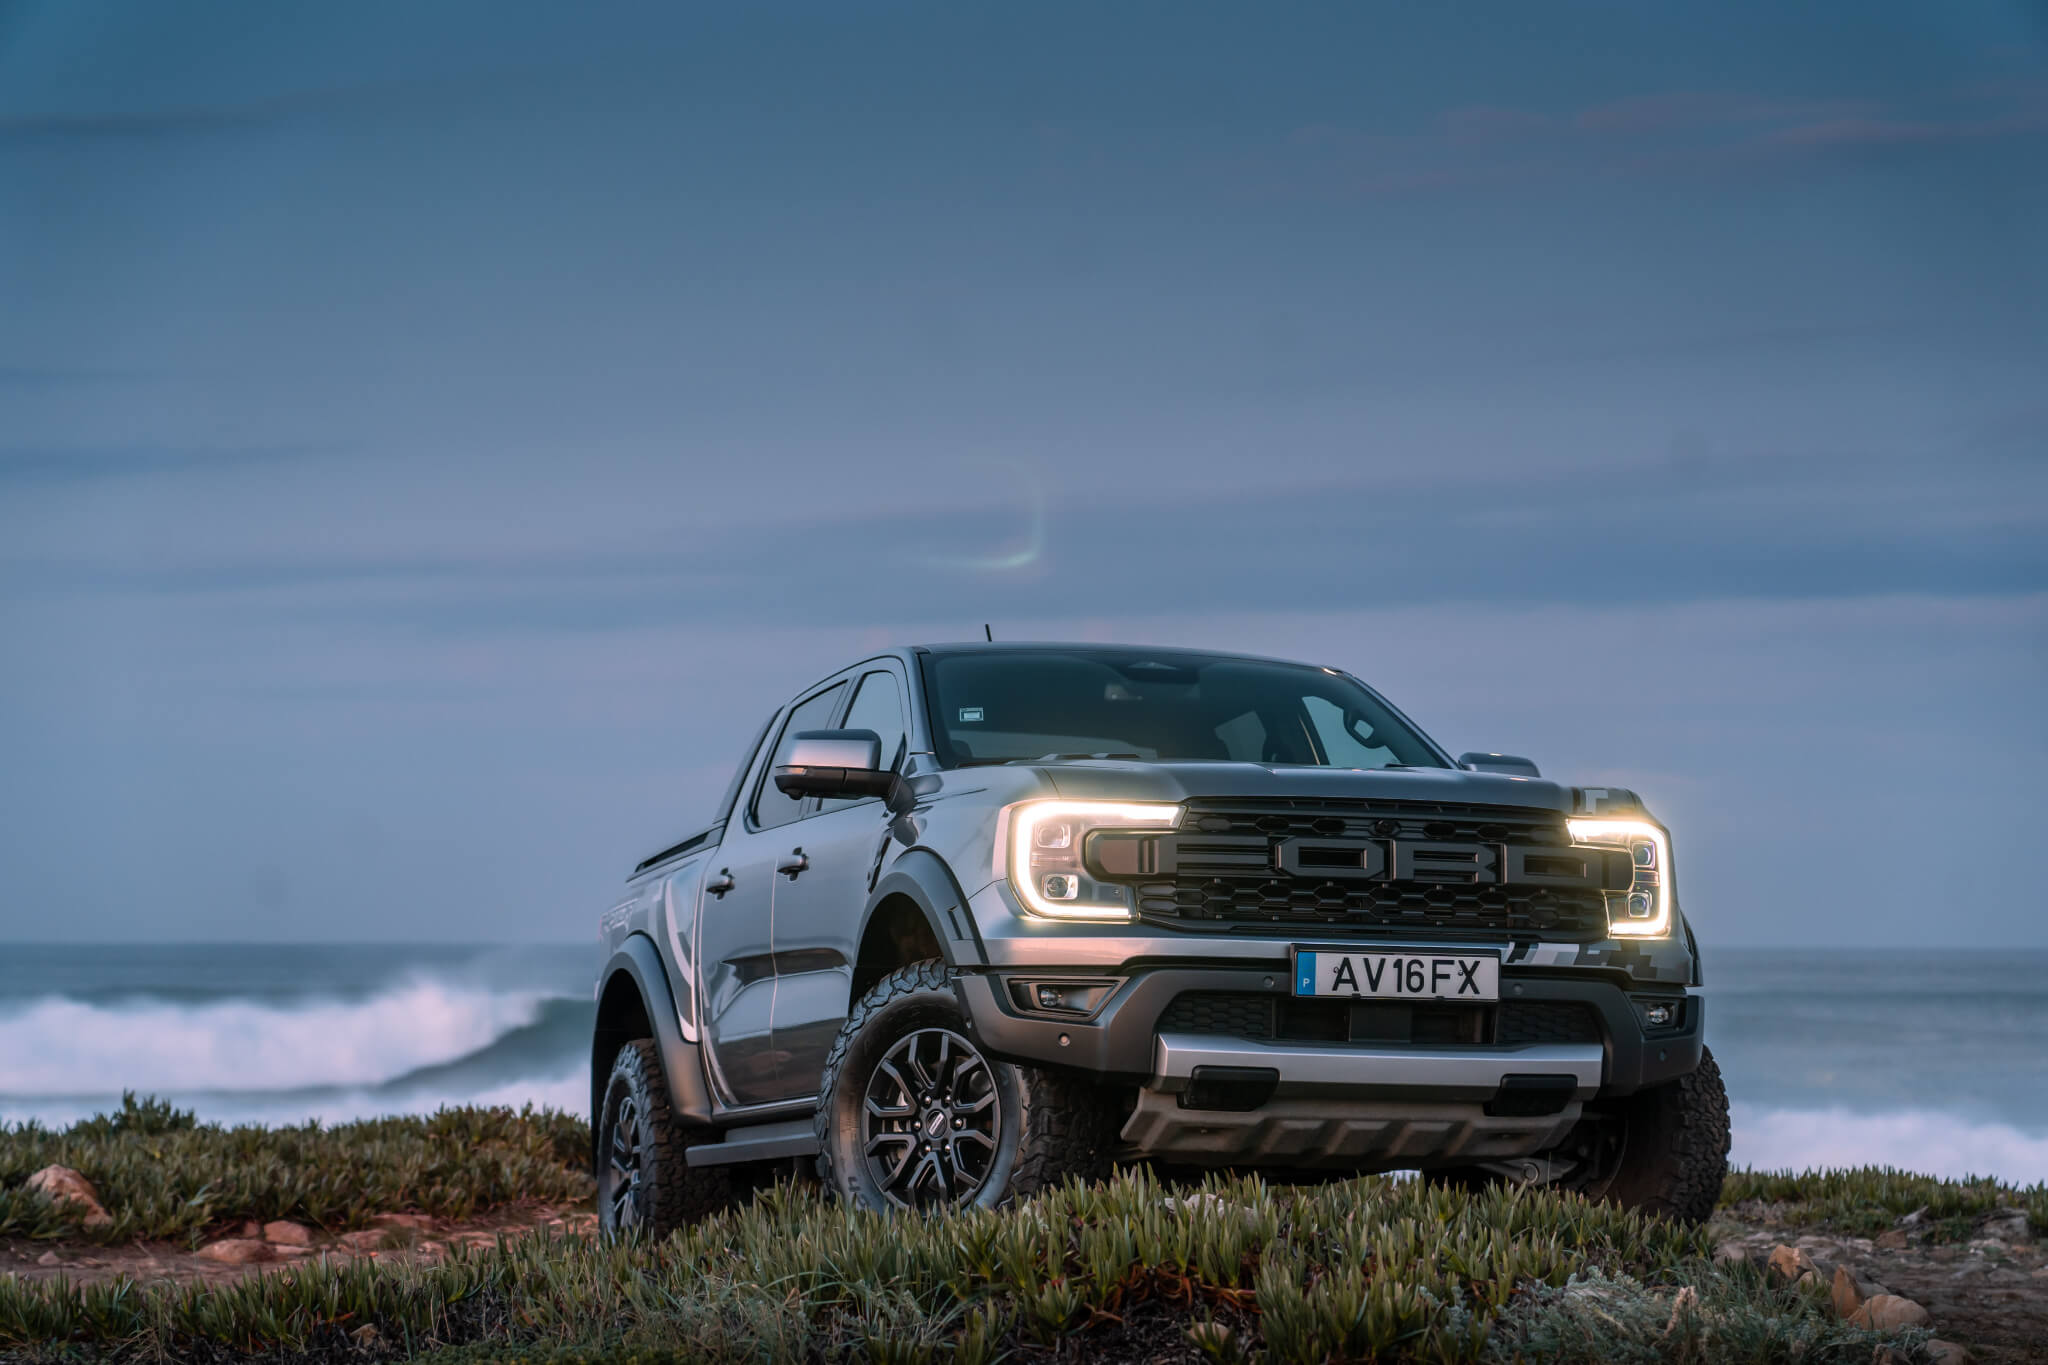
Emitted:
pixel 634 1000
pixel 916 911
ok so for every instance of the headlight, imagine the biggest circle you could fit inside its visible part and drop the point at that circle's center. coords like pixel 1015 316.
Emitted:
pixel 1044 854
pixel 1644 910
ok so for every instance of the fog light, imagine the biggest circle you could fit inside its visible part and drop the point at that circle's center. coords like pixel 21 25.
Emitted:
pixel 1639 905
pixel 1059 886
pixel 1050 999
pixel 1660 1016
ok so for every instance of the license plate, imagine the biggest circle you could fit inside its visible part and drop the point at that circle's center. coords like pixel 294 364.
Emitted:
pixel 1474 978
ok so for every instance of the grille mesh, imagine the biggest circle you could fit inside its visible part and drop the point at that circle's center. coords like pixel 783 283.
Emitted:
pixel 1224 870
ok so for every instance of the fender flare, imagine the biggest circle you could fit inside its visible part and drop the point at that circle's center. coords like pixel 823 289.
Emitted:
pixel 921 877
pixel 639 962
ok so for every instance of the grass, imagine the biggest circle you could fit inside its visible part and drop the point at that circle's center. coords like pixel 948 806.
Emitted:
pixel 1355 1270
pixel 165 1176
pixel 1867 1201
pixel 1232 1271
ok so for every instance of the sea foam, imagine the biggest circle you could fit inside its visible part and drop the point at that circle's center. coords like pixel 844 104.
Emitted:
pixel 1922 1141
pixel 56 1046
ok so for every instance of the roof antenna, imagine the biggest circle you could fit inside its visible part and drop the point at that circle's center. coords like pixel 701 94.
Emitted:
pixel 989 634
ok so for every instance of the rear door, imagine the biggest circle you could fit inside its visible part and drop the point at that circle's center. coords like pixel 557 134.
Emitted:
pixel 818 908
pixel 736 924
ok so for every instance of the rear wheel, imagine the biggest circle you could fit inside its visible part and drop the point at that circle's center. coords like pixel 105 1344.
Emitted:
pixel 913 1114
pixel 644 1185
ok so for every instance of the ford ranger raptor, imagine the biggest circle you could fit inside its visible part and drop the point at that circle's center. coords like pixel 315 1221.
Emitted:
pixel 971 919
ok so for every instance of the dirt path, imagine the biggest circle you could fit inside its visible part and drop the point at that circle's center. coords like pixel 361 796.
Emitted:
pixel 246 1250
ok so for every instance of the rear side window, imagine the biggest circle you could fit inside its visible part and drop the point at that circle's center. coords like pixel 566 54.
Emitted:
pixel 771 807
pixel 878 706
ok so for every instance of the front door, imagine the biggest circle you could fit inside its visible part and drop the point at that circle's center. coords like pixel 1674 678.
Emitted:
pixel 818 907
pixel 736 945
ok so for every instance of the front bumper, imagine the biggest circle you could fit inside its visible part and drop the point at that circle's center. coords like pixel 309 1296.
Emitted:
pixel 1118 1040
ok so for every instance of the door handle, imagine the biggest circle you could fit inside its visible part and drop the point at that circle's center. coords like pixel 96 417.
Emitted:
pixel 793 864
pixel 720 884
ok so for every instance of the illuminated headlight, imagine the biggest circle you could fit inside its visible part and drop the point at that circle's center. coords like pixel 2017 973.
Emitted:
pixel 1045 854
pixel 1644 910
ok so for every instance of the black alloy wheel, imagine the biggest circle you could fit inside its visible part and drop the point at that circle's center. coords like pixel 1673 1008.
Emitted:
pixel 912 1114
pixel 932 1120
pixel 645 1185
pixel 619 1185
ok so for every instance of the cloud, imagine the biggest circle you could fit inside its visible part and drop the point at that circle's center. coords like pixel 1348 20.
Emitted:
pixel 1875 132
pixel 1691 528
pixel 1679 132
pixel 59 465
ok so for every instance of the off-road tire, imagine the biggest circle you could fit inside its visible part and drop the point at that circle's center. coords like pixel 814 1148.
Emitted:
pixel 1667 1149
pixel 1674 1152
pixel 670 1194
pixel 1054 1125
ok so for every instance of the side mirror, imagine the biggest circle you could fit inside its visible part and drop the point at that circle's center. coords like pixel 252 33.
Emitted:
pixel 839 764
pixel 1498 763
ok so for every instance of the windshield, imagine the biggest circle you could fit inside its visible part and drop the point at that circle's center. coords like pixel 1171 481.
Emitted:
pixel 1002 706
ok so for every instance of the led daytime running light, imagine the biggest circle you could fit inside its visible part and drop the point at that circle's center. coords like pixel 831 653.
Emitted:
pixel 1029 862
pixel 1625 834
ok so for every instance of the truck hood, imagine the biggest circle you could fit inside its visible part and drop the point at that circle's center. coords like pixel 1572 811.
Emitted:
pixel 1117 780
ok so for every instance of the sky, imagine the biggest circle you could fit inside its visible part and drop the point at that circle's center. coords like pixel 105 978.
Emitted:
pixel 433 438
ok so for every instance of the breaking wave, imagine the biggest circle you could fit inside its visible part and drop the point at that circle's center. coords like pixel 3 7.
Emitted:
pixel 415 1046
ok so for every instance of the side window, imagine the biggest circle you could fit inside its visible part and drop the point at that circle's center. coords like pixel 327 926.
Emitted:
pixel 1347 741
pixel 878 706
pixel 732 791
pixel 771 807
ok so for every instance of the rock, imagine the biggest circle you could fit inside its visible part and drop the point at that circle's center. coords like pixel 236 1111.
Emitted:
pixel 62 1185
pixel 1731 1252
pixel 366 1335
pixel 1913 1219
pixel 2008 1226
pixel 1791 1265
pixel 1947 1352
pixel 49 1258
pixel 1893 1239
pixel 237 1251
pixel 1887 1355
pixel 1848 1298
pixel 364 1239
pixel 1888 1313
pixel 286 1233
pixel 411 1222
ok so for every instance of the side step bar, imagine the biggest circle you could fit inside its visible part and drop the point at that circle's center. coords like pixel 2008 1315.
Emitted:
pixel 762 1142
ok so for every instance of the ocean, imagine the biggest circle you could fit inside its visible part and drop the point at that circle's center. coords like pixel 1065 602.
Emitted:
pixel 1930 1061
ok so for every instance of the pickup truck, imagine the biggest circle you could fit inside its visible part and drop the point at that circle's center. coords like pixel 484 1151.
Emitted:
pixel 973 918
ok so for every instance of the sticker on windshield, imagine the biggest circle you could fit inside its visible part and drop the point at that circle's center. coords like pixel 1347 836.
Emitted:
pixel 970 713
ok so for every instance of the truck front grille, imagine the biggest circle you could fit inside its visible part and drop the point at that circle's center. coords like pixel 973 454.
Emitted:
pixel 1252 1014
pixel 1368 866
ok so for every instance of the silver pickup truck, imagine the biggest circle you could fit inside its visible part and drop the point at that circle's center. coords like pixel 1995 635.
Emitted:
pixel 974 918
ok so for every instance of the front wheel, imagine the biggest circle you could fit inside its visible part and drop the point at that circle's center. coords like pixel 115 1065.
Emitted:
pixel 1661 1151
pixel 1668 1150
pixel 913 1114
pixel 644 1186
